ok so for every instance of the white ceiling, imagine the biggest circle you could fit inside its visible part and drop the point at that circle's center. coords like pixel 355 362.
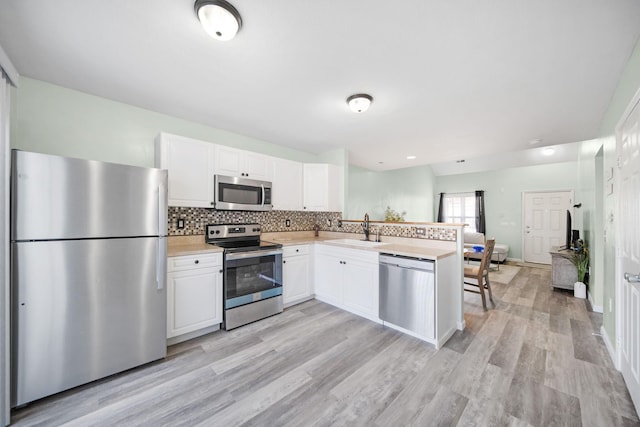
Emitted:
pixel 450 79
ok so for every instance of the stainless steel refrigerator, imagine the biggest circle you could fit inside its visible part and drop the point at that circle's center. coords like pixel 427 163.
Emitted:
pixel 88 248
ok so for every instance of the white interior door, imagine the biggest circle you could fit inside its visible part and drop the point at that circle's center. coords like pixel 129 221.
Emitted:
pixel 628 238
pixel 544 223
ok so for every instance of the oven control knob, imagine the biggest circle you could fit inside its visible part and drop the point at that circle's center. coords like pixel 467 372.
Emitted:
pixel 217 231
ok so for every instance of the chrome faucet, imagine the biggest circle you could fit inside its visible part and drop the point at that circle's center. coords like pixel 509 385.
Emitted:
pixel 365 227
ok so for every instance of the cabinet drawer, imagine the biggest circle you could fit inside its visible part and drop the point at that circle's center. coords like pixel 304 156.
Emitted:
pixel 189 262
pixel 295 250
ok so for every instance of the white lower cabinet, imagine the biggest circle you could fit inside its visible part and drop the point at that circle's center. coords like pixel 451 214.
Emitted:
pixel 348 279
pixel 194 293
pixel 296 282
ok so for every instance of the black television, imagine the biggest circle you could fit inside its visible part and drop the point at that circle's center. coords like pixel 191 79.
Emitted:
pixel 569 235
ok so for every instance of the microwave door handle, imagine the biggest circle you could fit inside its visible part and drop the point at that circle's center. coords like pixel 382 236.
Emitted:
pixel 262 186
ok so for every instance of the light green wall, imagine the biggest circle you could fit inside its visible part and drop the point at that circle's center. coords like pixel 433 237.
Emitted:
pixel 588 218
pixel 503 195
pixel 409 189
pixel 628 85
pixel 56 120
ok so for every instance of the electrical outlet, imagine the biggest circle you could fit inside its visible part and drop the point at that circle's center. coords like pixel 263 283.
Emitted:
pixel 287 222
pixel 329 223
pixel 421 231
pixel 339 223
pixel 180 225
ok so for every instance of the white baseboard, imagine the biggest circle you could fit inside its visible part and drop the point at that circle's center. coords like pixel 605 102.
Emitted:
pixel 610 348
pixel 595 308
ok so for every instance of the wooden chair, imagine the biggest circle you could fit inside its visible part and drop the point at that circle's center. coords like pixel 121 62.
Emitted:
pixel 479 275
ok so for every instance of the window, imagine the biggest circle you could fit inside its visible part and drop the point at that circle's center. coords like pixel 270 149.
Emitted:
pixel 460 208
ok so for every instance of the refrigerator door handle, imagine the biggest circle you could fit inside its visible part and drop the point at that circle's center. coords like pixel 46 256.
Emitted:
pixel 262 186
pixel 162 210
pixel 161 263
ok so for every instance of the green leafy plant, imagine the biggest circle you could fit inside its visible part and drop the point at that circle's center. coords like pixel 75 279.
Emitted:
pixel 392 216
pixel 580 258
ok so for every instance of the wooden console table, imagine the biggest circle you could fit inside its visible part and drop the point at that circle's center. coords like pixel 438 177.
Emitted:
pixel 563 273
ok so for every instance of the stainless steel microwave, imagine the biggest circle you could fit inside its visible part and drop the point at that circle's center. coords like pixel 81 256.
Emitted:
pixel 241 194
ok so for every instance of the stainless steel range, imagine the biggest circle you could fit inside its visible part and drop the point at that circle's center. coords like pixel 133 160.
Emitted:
pixel 252 273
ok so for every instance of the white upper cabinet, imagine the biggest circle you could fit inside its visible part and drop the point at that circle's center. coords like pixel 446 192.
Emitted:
pixel 323 187
pixel 286 194
pixel 190 165
pixel 233 162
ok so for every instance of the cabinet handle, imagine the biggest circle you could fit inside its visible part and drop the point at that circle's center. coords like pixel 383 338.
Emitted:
pixel 297 250
pixel 221 271
pixel 197 261
pixel 213 203
pixel 284 261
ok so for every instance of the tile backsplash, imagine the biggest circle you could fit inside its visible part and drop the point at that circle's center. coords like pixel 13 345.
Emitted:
pixel 273 221
pixel 196 219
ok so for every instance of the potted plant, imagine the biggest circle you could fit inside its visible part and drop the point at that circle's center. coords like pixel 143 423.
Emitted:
pixel 393 216
pixel 580 258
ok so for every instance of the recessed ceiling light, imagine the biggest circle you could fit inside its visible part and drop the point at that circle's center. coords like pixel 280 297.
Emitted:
pixel 548 151
pixel 218 18
pixel 360 102
pixel 380 163
pixel 411 157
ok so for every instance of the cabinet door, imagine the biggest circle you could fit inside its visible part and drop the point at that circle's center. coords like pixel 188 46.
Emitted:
pixel 328 285
pixel 190 167
pixel 233 162
pixel 295 279
pixel 360 289
pixel 323 187
pixel 257 166
pixel 228 161
pixel 194 300
pixel 316 187
pixel 287 185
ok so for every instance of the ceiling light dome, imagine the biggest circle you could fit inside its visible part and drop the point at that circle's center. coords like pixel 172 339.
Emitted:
pixel 360 102
pixel 218 18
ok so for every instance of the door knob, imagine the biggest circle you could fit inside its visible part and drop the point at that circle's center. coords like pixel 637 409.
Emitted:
pixel 632 278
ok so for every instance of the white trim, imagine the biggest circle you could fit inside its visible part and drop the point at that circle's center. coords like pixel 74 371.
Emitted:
pixel 617 274
pixel 8 68
pixel 595 308
pixel 610 349
pixel 5 332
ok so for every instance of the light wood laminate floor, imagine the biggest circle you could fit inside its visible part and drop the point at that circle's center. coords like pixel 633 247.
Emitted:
pixel 534 359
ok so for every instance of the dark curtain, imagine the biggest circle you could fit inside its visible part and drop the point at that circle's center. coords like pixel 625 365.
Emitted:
pixel 480 223
pixel 441 209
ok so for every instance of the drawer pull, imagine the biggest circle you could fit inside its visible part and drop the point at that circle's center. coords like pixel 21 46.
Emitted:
pixel 197 261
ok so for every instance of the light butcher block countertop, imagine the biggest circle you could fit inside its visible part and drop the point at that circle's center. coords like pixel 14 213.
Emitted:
pixel 194 245
pixel 396 247
pixel 189 245
pixel 415 251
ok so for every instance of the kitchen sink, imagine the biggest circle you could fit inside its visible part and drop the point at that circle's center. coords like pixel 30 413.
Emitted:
pixel 355 242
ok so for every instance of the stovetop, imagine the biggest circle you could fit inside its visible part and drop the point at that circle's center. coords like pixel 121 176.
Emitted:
pixel 237 237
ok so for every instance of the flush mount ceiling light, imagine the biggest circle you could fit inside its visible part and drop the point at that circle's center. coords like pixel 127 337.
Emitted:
pixel 548 151
pixel 360 102
pixel 218 18
pixel 411 157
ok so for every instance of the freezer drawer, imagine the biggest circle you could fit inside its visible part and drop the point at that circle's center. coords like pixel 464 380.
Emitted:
pixel 57 197
pixel 84 309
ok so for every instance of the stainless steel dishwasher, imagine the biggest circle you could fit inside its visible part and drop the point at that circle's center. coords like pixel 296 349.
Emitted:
pixel 407 294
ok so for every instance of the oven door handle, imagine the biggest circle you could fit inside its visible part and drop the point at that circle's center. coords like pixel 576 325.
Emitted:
pixel 252 254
